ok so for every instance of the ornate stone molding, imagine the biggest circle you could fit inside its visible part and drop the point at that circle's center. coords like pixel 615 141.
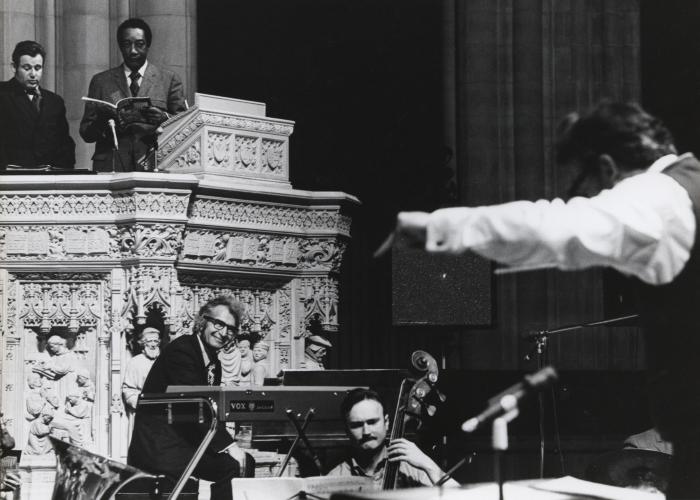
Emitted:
pixel 319 296
pixel 189 159
pixel 56 242
pixel 40 206
pixel 156 240
pixel 149 287
pixel 248 123
pixel 219 150
pixel 263 251
pixel 50 300
pixel 285 307
pixel 184 131
pixel 202 118
pixel 270 216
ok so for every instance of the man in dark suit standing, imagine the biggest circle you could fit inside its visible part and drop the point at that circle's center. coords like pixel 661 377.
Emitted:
pixel 33 126
pixel 137 77
pixel 159 447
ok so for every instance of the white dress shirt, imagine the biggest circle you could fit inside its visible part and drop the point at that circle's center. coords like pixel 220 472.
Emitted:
pixel 644 226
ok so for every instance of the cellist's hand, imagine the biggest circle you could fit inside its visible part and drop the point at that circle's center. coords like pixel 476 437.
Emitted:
pixel 403 450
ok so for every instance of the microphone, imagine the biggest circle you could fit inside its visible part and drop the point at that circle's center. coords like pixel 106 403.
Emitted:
pixel 110 122
pixel 508 399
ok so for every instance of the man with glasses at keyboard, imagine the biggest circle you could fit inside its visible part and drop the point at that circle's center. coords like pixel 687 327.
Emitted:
pixel 161 448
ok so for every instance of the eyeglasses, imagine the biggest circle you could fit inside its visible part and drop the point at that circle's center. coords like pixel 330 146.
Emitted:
pixel 220 325
pixel 139 44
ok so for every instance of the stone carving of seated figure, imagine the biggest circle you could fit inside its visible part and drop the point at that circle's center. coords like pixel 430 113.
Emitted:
pixel 59 369
pixel 78 418
pixel 38 442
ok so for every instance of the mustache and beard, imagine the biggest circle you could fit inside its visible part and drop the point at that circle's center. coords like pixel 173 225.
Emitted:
pixel 151 352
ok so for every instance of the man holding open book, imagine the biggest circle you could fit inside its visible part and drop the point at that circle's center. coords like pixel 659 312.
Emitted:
pixel 137 97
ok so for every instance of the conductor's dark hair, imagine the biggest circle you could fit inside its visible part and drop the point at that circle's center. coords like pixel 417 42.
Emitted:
pixel 235 308
pixel 355 396
pixel 27 48
pixel 624 131
pixel 135 23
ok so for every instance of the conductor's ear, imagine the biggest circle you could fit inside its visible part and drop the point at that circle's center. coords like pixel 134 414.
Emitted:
pixel 608 171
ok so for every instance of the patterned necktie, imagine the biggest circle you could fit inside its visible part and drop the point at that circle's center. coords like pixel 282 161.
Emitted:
pixel 210 373
pixel 134 87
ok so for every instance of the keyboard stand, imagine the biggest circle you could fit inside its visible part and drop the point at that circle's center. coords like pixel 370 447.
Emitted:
pixel 169 401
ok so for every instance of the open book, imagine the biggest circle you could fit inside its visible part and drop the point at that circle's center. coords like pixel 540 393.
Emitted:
pixel 130 113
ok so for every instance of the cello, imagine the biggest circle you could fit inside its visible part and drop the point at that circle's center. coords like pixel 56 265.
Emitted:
pixel 417 399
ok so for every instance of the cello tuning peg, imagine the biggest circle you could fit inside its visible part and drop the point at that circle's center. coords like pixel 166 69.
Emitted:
pixel 429 409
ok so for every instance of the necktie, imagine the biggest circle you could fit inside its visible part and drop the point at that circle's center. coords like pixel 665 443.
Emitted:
pixel 210 373
pixel 134 87
pixel 35 98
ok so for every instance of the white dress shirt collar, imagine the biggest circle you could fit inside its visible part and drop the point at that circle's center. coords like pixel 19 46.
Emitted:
pixel 141 72
pixel 665 161
pixel 207 359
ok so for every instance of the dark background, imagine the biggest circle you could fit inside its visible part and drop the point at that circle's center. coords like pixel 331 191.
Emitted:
pixel 364 82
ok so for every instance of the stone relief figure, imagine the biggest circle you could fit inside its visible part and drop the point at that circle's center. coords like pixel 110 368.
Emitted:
pixel 260 370
pixel 230 357
pixel 38 442
pixel 315 352
pixel 78 419
pixel 137 370
pixel 81 348
pixel 34 396
pixel 59 369
pixel 84 384
pixel 52 400
pixel 246 359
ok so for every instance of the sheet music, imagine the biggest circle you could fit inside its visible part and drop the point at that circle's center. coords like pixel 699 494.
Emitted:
pixel 325 485
pixel 574 486
pixel 284 488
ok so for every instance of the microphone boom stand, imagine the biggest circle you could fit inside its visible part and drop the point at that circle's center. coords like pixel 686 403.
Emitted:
pixel 499 439
pixel 541 344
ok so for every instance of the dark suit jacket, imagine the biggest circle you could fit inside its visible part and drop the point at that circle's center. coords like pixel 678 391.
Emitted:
pixel 163 87
pixel 157 446
pixel 28 138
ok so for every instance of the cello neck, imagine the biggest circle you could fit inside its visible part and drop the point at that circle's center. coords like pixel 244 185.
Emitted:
pixel 391 469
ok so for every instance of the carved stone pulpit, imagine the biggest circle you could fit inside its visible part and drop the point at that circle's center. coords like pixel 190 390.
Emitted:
pixel 89 260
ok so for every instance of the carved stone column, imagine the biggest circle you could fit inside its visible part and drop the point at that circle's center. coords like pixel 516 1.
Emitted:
pixel 84 49
pixel 16 23
pixel 174 25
